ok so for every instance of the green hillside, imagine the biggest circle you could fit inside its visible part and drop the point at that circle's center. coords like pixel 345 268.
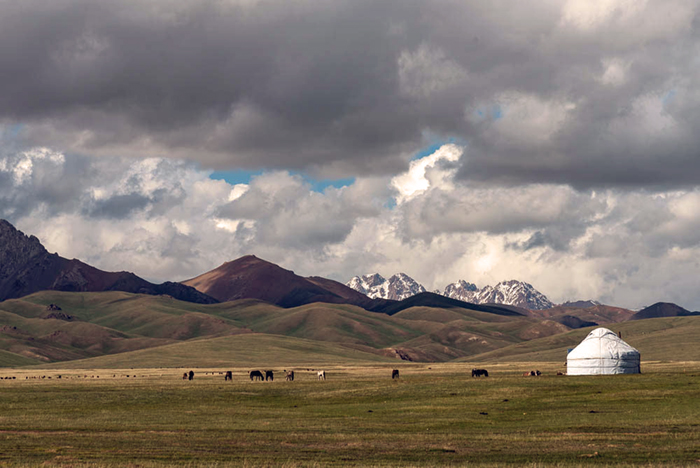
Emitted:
pixel 8 359
pixel 251 350
pixel 662 339
pixel 114 328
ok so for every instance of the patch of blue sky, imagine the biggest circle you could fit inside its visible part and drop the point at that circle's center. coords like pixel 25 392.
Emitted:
pixel 319 185
pixel 668 97
pixel 235 177
pixel 493 112
pixel 11 131
pixel 433 147
pixel 245 176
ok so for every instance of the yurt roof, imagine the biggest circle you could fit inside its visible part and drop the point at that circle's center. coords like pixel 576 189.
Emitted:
pixel 603 343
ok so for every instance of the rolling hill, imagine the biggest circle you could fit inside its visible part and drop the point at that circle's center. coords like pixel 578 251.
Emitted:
pixel 119 329
pixel 660 339
pixel 59 326
pixel 253 350
pixel 662 309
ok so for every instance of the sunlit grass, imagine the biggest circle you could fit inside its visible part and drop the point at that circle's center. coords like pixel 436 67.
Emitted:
pixel 430 417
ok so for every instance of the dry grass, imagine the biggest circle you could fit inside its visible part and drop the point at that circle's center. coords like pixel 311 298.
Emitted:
pixel 434 415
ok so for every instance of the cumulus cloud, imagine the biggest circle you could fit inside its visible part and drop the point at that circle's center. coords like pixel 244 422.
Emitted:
pixel 352 87
pixel 577 124
pixel 168 220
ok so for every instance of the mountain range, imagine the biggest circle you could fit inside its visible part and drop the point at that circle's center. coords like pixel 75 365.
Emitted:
pixel 56 309
pixel 401 286
pixel 27 267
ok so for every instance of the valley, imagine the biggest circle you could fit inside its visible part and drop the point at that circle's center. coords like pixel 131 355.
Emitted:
pixel 433 415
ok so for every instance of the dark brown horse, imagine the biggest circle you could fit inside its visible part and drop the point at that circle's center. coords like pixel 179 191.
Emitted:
pixel 269 375
pixel 228 376
pixel 395 374
pixel 480 373
pixel 256 375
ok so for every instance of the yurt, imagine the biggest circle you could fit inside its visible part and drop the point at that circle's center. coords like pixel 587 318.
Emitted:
pixel 602 352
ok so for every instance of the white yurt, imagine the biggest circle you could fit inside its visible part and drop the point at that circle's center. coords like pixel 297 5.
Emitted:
pixel 602 352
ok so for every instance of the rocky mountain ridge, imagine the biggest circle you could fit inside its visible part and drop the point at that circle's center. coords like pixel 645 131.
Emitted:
pixel 27 267
pixel 402 286
pixel 397 288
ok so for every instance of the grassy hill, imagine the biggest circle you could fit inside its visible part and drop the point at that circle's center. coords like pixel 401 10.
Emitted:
pixel 95 324
pixel 117 328
pixel 661 339
pixel 249 350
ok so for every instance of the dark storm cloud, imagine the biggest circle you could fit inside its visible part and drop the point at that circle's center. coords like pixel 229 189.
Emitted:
pixel 564 92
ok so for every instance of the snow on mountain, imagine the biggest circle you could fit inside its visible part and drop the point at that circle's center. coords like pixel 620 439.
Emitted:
pixel 402 286
pixel 462 291
pixel 398 287
pixel 516 293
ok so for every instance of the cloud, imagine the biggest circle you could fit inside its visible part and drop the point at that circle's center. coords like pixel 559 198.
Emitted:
pixel 352 88
pixel 576 126
pixel 168 220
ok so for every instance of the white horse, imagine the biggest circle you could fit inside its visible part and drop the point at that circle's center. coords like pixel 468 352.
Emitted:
pixel 321 375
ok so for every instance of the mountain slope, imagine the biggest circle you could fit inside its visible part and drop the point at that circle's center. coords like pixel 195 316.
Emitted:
pixel 27 267
pixel 662 309
pixel 661 339
pixel 427 299
pixel 597 313
pixel 253 350
pixel 252 277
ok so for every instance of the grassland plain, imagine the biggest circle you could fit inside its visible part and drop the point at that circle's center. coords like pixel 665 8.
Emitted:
pixel 434 415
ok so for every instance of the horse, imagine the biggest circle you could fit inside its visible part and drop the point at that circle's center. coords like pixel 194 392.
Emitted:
pixel 321 375
pixel 480 372
pixel 269 375
pixel 290 376
pixel 190 376
pixel 228 376
pixel 184 376
pixel 395 374
pixel 256 374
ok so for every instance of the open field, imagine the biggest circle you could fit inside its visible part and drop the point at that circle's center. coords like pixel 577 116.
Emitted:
pixel 435 414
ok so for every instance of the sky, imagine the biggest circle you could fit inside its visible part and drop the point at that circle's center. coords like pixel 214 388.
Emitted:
pixel 553 142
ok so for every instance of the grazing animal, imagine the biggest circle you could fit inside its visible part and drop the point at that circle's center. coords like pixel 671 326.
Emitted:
pixel 256 374
pixel 228 376
pixel 290 376
pixel 321 375
pixel 480 372
pixel 190 376
pixel 560 373
pixel 395 374
pixel 269 375
pixel 184 376
pixel 538 373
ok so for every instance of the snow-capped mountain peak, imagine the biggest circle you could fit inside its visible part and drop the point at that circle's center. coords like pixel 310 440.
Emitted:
pixel 398 287
pixel 516 293
pixel 402 286
pixel 366 284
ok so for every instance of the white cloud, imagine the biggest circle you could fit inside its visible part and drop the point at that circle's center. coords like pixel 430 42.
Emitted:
pixel 167 220
pixel 425 172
